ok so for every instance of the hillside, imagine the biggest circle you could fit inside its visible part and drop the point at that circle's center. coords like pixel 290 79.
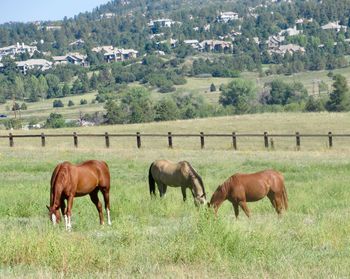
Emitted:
pixel 174 53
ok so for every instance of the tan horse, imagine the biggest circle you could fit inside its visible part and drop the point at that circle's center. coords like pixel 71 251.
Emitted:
pixel 242 188
pixel 166 173
pixel 69 181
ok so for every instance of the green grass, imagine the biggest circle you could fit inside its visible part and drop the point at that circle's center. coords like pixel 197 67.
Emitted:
pixel 169 238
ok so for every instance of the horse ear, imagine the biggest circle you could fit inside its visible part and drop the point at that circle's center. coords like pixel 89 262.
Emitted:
pixel 48 207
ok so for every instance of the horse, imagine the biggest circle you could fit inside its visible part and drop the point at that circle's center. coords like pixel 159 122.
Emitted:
pixel 182 174
pixel 69 181
pixel 242 188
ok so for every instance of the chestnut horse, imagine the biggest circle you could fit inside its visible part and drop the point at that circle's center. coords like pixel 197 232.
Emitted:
pixel 69 181
pixel 182 174
pixel 242 188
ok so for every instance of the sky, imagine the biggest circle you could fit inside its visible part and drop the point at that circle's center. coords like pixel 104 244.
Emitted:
pixel 32 10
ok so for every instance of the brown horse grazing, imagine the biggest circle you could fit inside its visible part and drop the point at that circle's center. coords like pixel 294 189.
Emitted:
pixel 69 181
pixel 242 188
pixel 182 174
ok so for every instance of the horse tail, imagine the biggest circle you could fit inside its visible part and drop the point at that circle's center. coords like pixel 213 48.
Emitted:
pixel 284 194
pixel 151 182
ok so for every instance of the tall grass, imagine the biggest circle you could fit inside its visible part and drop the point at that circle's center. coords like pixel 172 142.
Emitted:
pixel 168 238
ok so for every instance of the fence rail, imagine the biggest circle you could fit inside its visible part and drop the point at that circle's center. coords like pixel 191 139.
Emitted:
pixel 267 139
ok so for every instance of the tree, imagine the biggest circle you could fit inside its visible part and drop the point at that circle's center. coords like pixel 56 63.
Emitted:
pixel 166 110
pixel 23 106
pixel 238 93
pixel 55 120
pixel 339 98
pixel 65 90
pixel 212 87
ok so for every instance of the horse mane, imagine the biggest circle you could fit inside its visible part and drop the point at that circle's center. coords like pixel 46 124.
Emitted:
pixel 53 182
pixel 195 174
pixel 60 172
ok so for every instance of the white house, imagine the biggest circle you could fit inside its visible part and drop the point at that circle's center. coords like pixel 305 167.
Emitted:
pixel 17 49
pixel 290 48
pixel 31 64
pixel 71 58
pixel 163 22
pixel 227 16
pixel 193 43
pixel 334 26
pixel 215 45
pixel 290 31
pixel 120 55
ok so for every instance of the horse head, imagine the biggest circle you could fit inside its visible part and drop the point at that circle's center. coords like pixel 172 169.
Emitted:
pixel 54 215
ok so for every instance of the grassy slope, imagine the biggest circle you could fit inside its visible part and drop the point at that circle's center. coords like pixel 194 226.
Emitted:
pixel 169 238
pixel 41 110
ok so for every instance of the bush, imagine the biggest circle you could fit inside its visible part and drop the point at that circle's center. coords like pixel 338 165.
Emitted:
pixel 70 103
pixel 83 102
pixel 55 120
pixel 57 104
pixel 212 87
pixel 23 106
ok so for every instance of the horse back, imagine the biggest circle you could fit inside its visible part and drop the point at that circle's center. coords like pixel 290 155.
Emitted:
pixel 170 173
pixel 94 172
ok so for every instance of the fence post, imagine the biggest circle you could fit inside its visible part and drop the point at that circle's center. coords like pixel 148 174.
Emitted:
pixel 170 140
pixel 75 138
pixel 234 140
pixel 138 139
pixel 330 139
pixel 297 137
pixel 11 140
pixel 202 139
pixel 107 139
pixel 266 140
pixel 43 140
pixel 272 144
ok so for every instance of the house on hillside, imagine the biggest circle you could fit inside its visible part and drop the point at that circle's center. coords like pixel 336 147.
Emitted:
pixel 290 48
pixel 18 48
pixel 215 45
pixel 77 43
pixel 227 16
pixel 163 22
pixel 193 43
pixel 34 64
pixel 274 41
pixel 120 55
pixel 334 26
pixel 290 31
pixel 108 15
pixel 71 58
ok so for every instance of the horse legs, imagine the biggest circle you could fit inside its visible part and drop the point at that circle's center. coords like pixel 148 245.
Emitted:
pixel 243 205
pixel 162 189
pixel 96 201
pixel 276 200
pixel 69 212
pixel 236 209
pixel 63 208
pixel 183 190
pixel 105 192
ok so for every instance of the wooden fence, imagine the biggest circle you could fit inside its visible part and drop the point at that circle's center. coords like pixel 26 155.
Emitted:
pixel 267 139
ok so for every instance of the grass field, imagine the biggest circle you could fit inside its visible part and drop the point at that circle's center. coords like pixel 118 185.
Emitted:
pixel 171 239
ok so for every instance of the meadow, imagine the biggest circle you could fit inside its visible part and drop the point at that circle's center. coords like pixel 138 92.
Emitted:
pixel 168 238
